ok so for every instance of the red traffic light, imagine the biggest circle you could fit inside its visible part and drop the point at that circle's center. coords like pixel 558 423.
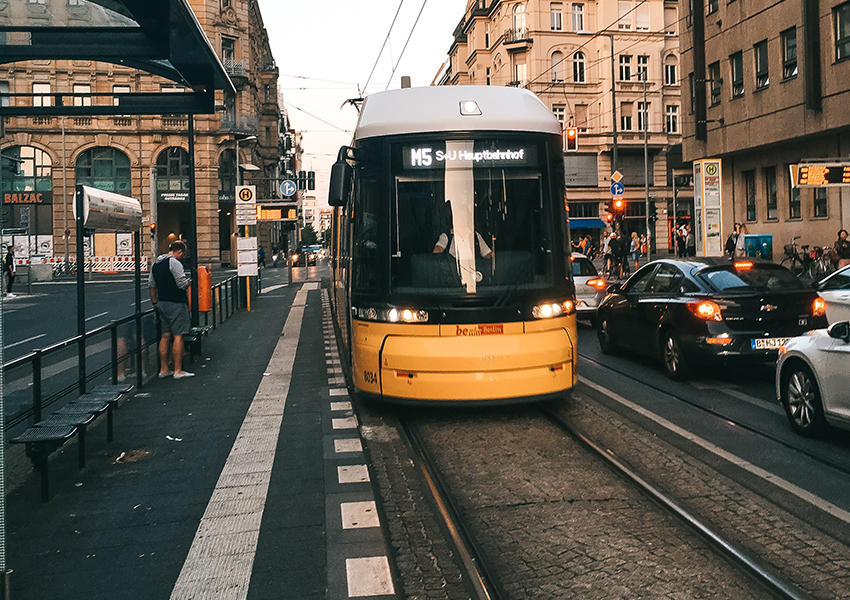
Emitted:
pixel 572 139
pixel 609 217
pixel 619 204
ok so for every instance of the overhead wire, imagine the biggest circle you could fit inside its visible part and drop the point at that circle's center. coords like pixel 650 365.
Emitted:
pixel 384 45
pixel 410 35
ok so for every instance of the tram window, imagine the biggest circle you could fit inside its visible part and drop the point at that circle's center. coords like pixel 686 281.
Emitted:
pixel 368 240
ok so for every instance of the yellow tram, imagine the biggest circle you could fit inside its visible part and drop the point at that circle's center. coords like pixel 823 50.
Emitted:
pixel 450 250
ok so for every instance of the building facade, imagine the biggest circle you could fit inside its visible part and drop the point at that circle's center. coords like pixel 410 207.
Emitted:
pixel 145 157
pixel 610 69
pixel 769 87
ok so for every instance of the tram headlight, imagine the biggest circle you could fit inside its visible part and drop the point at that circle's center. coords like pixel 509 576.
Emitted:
pixel 390 315
pixel 553 309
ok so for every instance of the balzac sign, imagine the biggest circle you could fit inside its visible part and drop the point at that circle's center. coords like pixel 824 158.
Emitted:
pixel 27 197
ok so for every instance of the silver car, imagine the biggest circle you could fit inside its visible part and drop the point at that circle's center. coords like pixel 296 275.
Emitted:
pixel 590 286
pixel 835 290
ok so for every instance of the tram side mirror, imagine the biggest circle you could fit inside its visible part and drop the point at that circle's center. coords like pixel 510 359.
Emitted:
pixel 340 183
pixel 840 331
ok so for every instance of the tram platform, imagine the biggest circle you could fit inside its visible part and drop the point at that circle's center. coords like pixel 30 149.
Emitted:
pixel 246 481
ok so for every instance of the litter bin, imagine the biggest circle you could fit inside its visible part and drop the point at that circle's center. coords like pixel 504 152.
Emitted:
pixel 204 290
pixel 759 245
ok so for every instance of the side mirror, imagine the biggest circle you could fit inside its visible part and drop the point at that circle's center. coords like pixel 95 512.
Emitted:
pixel 840 331
pixel 614 288
pixel 340 185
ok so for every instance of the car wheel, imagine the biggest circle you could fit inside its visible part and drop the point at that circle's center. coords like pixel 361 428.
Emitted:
pixel 603 333
pixel 802 401
pixel 675 364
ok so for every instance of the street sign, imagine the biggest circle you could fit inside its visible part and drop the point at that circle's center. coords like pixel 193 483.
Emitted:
pixel 25 217
pixel 616 177
pixel 288 188
pixel 617 189
pixel 279 212
pixel 246 205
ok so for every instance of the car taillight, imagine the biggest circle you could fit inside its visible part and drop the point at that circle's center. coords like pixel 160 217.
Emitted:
pixel 819 307
pixel 706 310
pixel 597 283
pixel 744 264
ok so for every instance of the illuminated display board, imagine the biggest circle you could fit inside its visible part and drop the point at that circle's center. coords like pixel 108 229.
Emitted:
pixel 277 213
pixel 823 174
pixel 441 155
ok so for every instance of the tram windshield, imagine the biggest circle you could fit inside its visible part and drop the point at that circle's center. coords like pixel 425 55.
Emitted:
pixel 469 216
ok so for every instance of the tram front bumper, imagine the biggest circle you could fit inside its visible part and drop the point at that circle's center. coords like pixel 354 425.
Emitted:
pixel 477 368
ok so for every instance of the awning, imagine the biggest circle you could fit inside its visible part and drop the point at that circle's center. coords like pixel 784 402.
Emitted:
pixel 587 224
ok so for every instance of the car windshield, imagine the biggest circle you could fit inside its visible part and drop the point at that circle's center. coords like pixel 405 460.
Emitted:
pixel 582 267
pixel 758 277
pixel 839 281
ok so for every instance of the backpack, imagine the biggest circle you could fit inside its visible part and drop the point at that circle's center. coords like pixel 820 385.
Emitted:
pixel 730 244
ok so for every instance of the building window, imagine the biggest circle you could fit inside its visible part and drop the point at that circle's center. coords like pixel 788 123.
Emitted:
pixel 624 10
pixel 715 83
pixel 643 116
pixel 770 190
pixel 626 109
pixel 693 92
pixel 119 89
pixel 82 88
pixel 750 189
pixel 819 205
pixel 557 67
pixel 670 18
pixel 487 36
pixel 712 6
pixel 578 17
pixel 842 31
pixel 227 174
pixel 671 77
pixel 519 17
pixel 584 210
pixel 581 117
pixel 625 67
pixel 4 93
pixel 228 50
pixel 578 67
pixel 226 3
pixel 488 73
pixel 794 205
pixel 672 113
pixel 520 73
pixel 556 17
pixel 105 169
pixel 25 168
pixel 762 71
pixel 172 172
pixel 789 53
pixel 76 2
pixel 643 67
pixel 642 17
pixel 736 61
pixel 560 112
pixel 39 100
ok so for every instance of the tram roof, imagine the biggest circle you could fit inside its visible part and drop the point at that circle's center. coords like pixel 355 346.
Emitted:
pixel 438 108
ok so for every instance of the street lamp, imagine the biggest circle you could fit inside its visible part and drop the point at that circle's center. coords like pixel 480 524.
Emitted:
pixel 247 138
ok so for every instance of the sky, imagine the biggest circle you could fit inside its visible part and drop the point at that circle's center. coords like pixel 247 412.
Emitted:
pixel 325 52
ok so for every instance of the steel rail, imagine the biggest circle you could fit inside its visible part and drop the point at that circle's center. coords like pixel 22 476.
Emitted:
pixel 751 566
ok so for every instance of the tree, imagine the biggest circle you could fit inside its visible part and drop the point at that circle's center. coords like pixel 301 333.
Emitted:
pixel 308 236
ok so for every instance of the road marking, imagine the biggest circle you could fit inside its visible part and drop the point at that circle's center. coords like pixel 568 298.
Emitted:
pixel 344 445
pixel 272 288
pixel 820 503
pixel 96 316
pixel 222 554
pixel 368 577
pixel 339 406
pixel 25 341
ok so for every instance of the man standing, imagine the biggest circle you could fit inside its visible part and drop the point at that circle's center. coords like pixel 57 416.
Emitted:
pixel 9 269
pixel 167 286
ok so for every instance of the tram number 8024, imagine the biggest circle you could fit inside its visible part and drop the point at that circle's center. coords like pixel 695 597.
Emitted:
pixel 370 377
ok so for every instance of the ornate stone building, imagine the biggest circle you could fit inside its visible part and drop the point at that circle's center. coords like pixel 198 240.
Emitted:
pixel 571 55
pixel 145 157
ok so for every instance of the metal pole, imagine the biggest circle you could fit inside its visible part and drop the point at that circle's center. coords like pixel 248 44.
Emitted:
pixel 674 212
pixel 193 223
pixel 613 104
pixel 646 166
pixel 81 294
pixel 137 248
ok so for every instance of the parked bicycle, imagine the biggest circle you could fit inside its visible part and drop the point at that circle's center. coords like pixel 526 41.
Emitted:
pixel 810 265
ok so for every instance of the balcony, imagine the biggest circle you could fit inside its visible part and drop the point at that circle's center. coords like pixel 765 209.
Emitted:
pixel 236 68
pixel 517 39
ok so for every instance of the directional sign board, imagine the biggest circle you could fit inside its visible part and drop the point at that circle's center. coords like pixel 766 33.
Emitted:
pixel 823 174
pixel 617 189
pixel 288 188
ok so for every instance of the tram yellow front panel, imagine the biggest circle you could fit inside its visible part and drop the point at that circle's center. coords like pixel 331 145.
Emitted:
pixel 488 366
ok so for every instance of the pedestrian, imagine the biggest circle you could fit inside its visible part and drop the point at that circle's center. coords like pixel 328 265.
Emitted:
pixel 842 249
pixel 643 245
pixel 634 249
pixel 261 257
pixel 167 286
pixel 9 269
pixel 681 248
pixel 690 242
pixel 735 246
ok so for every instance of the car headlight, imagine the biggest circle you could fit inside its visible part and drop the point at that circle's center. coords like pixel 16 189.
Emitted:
pixel 390 315
pixel 553 309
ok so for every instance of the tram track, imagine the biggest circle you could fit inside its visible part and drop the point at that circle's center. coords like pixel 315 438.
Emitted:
pixel 484 576
pixel 842 468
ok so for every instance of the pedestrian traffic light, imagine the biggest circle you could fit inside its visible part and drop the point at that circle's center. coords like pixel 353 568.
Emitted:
pixel 653 212
pixel 311 180
pixel 572 139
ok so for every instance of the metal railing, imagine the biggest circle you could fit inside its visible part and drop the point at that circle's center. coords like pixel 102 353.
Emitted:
pixel 113 353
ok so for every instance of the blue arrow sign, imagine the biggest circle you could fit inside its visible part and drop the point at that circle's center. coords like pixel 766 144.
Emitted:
pixel 617 189
pixel 288 188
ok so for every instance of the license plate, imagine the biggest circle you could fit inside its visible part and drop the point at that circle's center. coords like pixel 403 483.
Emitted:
pixel 581 304
pixel 768 343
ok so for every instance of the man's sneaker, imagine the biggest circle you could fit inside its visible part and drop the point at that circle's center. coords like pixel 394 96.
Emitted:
pixel 11 295
pixel 183 374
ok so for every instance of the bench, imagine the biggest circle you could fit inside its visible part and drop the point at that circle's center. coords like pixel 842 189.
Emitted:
pixel 193 341
pixel 49 434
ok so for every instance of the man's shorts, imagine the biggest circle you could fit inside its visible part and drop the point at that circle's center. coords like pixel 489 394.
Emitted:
pixel 174 317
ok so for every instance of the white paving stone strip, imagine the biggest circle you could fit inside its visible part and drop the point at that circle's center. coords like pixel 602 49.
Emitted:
pixel 353 473
pixel 346 405
pixel 221 558
pixel 369 576
pixel 345 423
pixel 348 445
pixel 338 392
pixel 359 515
pixel 786 485
pixel 272 288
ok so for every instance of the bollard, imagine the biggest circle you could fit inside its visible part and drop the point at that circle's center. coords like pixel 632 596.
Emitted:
pixel 36 386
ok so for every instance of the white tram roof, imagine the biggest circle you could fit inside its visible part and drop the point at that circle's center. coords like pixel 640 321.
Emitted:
pixel 438 109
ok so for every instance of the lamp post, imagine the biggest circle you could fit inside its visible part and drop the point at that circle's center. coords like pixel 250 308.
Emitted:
pixel 247 138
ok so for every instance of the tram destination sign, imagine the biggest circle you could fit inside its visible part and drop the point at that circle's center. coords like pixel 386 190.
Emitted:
pixel 442 155
pixel 823 174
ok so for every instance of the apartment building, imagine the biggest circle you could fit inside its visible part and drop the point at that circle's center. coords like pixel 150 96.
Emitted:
pixel 768 86
pixel 608 67
pixel 146 157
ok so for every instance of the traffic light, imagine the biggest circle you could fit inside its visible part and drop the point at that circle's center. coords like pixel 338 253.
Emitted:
pixel 619 206
pixel 302 180
pixel 572 139
pixel 153 229
pixel 311 180
pixel 653 212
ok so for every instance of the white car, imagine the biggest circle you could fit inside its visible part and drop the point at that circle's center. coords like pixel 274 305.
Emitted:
pixel 590 286
pixel 835 290
pixel 812 378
